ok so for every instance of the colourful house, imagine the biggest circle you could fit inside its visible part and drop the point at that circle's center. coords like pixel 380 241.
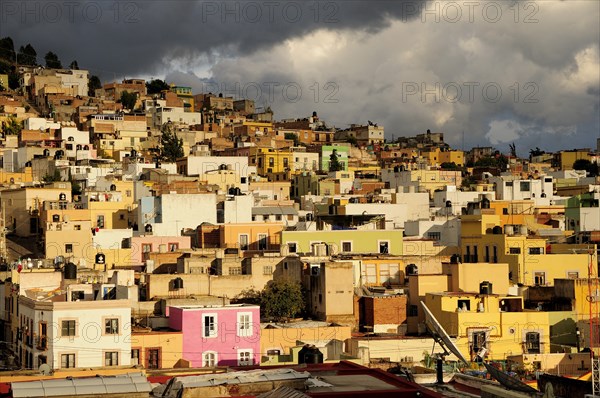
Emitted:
pixel 348 241
pixel 218 336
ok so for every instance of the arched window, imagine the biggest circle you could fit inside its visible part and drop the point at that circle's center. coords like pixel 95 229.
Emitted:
pixel 209 359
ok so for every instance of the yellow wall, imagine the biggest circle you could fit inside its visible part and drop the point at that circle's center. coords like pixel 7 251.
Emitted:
pixel 284 339
pixel 466 277
pixel 171 344
pixel 25 176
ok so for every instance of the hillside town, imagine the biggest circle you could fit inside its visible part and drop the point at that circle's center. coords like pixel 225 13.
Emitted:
pixel 190 243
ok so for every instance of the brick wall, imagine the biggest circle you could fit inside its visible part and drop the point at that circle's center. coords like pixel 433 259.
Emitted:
pixel 384 310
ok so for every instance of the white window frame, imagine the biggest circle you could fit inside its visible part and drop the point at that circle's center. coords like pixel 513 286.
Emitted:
pixel 215 332
pixel 351 246
pixel 389 244
pixel 295 243
pixel 204 360
pixel 247 241
pixel 244 329
pixel 540 272
pixel 259 237
pixel 241 362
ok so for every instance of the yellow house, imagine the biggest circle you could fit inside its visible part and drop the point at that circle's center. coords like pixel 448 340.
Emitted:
pixel 280 339
pixel 16 177
pixel 157 349
pixel 436 157
pixel 270 160
pixel 531 260
pixel 565 159
pixel 498 324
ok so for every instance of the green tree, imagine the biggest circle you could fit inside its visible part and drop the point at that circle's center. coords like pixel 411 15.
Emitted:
pixel 282 300
pixel 7 49
pixel 52 177
pixel 11 126
pixel 128 99
pixel 74 65
pixel 170 146
pixel 589 167
pixel 156 86
pixel 449 166
pixel 27 55
pixel 93 85
pixel 535 152
pixel 52 60
pixel 334 161
pixel 293 137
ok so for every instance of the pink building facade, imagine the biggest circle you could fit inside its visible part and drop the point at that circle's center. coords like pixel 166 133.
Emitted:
pixel 140 245
pixel 218 336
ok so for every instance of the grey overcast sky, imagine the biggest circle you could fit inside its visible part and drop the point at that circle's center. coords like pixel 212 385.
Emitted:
pixel 505 71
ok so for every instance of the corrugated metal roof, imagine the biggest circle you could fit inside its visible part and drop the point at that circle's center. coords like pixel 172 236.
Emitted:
pixel 283 392
pixel 121 384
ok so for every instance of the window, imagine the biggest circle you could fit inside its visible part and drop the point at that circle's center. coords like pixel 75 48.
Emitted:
pixel 413 310
pixel 128 193
pixel 273 352
pixel 285 163
pixel 572 274
pixel 243 242
pixel 271 162
pixel 173 247
pixel 153 358
pixel 514 250
pixel 235 270
pixel 77 295
pixel 478 341
pixel 347 247
pixel 209 325
pixel 464 305
pixel 111 358
pixel 525 186
pixel 487 254
pixel 209 359
pixel 77 227
pixel 67 361
pixel 69 248
pixel 262 241
pixel 68 328
pixel 146 250
pixel 278 217
pixel 539 278
pixel 434 235
pixel 267 270
pixel 100 221
pixel 384 247
pixel 245 358
pixel 135 356
pixel 244 324
pixel 292 247
pixel 532 343
pixel 536 250
pixel 111 326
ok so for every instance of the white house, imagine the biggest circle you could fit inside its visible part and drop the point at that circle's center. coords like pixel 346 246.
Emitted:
pixel 74 334
pixel 168 214
pixel 201 165
pixel 512 188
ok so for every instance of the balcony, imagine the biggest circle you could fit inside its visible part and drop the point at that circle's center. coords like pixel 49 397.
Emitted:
pixel 41 343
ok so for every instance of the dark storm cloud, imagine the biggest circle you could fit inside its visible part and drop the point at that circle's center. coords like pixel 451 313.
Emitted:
pixel 124 38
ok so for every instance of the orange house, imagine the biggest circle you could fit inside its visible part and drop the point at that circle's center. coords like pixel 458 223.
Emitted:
pixel 246 237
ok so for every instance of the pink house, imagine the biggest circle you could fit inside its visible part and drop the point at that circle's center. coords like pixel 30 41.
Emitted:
pixel 218 335
pixel 143 244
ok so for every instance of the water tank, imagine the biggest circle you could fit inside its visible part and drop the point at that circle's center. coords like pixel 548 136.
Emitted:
pixel 70 271
pixel 485 203
pixel 411 269
pixel 178 283
pixel 310 355
pixel 497 230
pixel 523 230
pixel 509 230
pixel 485 287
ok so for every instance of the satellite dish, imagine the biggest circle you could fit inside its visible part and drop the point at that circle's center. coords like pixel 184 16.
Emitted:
pixel 512 383
pixel 45 369
pixel 440 335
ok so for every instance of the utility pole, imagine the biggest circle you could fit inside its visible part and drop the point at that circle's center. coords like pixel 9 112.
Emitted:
pixel 3 248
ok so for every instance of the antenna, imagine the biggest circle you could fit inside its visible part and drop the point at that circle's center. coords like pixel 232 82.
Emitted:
pixel 440 335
